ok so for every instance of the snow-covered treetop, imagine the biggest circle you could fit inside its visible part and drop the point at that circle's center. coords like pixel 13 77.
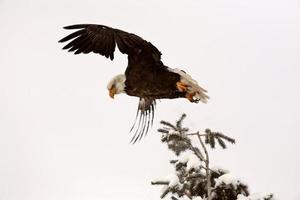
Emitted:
pixel 192 176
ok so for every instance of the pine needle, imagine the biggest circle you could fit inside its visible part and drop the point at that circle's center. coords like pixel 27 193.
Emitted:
pixel 225 137
pixel 168 124
pixel 221 143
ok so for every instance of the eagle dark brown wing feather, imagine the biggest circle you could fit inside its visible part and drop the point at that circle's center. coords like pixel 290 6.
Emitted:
pixel 102 40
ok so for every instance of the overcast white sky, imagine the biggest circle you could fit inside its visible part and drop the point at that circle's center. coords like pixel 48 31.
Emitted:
pixel 63 138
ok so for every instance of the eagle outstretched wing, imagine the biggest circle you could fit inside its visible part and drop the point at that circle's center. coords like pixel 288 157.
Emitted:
pixel 102 40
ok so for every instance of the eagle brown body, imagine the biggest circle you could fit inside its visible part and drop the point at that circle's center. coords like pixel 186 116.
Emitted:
pixel 154 82
pixel 146 76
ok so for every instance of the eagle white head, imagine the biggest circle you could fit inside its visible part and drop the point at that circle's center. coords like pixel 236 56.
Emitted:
pixel 116 85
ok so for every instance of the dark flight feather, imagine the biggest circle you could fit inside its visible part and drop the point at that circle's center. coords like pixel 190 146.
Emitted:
pixel 103 40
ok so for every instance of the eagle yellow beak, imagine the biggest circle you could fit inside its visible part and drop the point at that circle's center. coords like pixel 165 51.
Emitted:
pixel 112 92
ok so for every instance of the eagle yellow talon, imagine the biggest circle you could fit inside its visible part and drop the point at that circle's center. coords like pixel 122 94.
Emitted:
pixel 181 86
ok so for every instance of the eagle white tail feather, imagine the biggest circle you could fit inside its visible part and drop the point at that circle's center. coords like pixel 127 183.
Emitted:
pixel 193 87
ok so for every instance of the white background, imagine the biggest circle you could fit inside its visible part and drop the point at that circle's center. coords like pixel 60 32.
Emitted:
pixel 63 138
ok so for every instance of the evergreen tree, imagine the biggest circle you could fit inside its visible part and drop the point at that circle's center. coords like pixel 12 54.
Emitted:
pixel 193 176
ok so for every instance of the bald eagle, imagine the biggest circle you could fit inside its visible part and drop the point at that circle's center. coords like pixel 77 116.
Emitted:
pixel 145 77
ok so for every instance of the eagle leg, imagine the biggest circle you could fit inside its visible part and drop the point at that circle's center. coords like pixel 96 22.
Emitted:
pixel 181 86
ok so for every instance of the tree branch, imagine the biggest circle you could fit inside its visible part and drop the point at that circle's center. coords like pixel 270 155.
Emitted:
pixel 208 173
pixel 165 193
pixel 159 182
pixel 197 133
